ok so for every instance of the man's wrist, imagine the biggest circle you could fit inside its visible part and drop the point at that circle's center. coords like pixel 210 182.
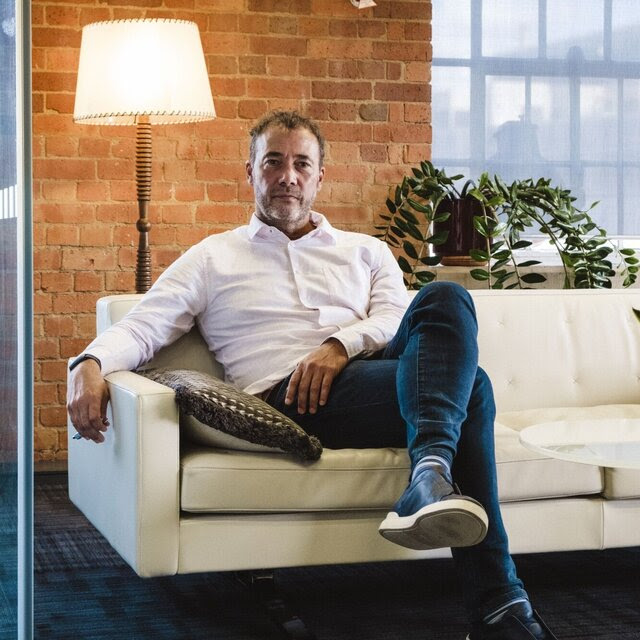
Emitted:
pixel 334 342
pixel 83 358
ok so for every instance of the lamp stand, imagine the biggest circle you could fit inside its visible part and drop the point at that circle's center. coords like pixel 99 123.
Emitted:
pixel 143 186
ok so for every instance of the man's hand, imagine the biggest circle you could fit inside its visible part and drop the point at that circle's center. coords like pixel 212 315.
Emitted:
pixel 312 379
pixel 87 398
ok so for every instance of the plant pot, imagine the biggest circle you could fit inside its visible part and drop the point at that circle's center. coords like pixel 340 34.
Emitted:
pixel 463 236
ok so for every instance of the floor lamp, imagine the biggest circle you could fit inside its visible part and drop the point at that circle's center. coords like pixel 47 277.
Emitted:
pixel 142 72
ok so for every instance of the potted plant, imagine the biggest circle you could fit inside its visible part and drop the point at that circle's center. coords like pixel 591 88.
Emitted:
pixel 418 223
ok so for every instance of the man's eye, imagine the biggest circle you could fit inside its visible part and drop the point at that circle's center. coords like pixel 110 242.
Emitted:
pixel 304 164
pixel 272 162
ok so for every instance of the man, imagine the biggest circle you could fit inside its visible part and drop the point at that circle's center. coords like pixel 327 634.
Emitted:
pixel 318 323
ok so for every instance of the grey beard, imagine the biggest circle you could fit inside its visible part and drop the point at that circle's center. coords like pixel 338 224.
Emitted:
pixel 273 212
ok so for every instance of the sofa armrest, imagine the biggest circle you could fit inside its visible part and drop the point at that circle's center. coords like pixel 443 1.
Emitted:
pixel 128 486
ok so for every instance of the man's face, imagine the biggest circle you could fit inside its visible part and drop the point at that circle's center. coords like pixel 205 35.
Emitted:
pixel 285 176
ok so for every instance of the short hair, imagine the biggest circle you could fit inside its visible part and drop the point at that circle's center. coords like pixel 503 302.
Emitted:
pixel 287 120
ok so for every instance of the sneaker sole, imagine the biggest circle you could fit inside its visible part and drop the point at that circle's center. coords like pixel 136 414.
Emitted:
pixel 457 522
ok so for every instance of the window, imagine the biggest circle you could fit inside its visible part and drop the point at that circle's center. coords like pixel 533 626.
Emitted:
pixel 541 88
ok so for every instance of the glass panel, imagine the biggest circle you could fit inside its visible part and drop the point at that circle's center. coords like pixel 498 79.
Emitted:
pixel 451 29
pixel 8 324
pixel 575 28
pixel 550 115
pixel 509 138
pixel 599 120
pixel 626 26
pixel 631 204
pixel 631 137
pixel 510 28
pixel 600 184
pixel 450 107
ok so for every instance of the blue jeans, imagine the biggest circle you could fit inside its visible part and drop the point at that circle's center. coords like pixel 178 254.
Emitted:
pixel 426 391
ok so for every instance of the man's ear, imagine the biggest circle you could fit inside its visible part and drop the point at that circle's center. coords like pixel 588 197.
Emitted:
pixel 320 178
pixel 249 170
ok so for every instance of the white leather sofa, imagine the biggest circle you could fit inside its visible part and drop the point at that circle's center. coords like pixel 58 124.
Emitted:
pixel 173 507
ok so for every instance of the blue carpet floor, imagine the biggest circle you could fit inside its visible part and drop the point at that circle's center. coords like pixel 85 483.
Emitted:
pixel 85 591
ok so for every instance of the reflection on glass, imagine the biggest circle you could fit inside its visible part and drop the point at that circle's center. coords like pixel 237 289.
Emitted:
pixel 550 114
pixel 543 117
pixel 505 105
pixel 451 28
pixel 626 26
pixel 8 323
pixel 510 27
pixel 451 106
pixel 575 24
pixel 631 127
pixel 600 184
pixel 599 119
pixel 631 202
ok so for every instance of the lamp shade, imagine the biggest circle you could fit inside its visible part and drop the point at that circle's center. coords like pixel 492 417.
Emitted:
pixel 148 67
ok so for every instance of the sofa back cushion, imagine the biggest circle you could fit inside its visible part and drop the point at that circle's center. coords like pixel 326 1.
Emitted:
pixel 541 348
pixel 560 348
pixel 190 351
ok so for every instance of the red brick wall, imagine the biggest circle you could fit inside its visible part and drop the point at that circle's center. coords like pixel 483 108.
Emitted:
pixel 363 74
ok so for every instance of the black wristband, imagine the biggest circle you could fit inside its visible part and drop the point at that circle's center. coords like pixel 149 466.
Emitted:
pixel 82 358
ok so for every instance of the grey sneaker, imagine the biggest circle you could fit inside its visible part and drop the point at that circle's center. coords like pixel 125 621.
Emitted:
pixel 431 515
pixel 520 622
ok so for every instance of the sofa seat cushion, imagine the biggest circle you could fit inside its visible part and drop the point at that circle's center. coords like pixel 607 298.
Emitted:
pixel 219 480
pixel 223 480
pixel 615 483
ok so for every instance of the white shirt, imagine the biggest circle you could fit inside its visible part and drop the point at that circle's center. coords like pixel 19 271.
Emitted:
pixel 263 302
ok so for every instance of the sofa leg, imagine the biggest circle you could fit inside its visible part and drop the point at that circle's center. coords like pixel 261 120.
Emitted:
pixel 262 585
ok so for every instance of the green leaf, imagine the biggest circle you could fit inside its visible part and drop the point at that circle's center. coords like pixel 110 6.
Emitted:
pixel 398 232
pixel 480 224
pixel 528 263
pixel 521 244
pixel 404 265
pixel 410 250
pixel 398 197
pixel 408 216
pixel 425 276
pixel 627 252
pixel 431 261
pixel 479 274
pixel 418 206
pixel 391 205
pixel 505 254
pixel 533 278
pixel 439 238
pixel 479 254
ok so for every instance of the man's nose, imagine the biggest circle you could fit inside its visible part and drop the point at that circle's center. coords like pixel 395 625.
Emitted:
pixel 288 175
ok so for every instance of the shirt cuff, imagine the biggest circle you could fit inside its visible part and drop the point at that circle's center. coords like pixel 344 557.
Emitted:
pixel 352 341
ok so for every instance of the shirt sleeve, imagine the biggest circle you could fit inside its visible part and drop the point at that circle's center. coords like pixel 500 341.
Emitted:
pixel 388 303
pixel 166 311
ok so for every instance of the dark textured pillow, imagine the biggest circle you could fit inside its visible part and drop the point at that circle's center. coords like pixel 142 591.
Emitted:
pixel 241 415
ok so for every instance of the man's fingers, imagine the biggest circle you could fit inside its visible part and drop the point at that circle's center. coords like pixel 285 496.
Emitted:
pixel 316 389
pixel 303 390
pixel 292 387
pixel 327 381
pixel 103 410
